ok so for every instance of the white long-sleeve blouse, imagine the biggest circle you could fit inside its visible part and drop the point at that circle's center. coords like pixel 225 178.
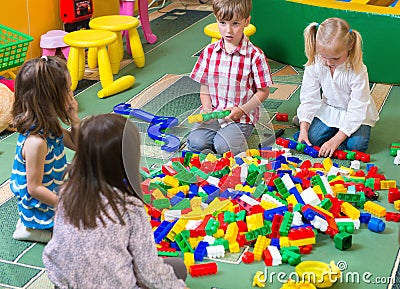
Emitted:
pixel 342 100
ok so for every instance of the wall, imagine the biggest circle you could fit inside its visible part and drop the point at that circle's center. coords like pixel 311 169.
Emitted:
pixel 36 17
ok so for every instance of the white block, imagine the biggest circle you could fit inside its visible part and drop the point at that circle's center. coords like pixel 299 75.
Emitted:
pixel 287 181
pixel 310 197
pixel 249 200
pixel 355 165
pixel 215 251
pixel 297 219
pixel 209 239
pixel 320 224
pixel 170 215
pixel 276 255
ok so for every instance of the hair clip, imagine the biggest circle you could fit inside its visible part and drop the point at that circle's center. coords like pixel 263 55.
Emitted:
pixel 45 57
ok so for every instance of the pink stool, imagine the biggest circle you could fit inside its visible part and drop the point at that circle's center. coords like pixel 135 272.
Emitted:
pixel 52 40
pixel 126 7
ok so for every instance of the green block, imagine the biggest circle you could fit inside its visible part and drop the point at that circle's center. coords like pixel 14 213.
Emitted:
pixel 162 203
pixel 240 216
pixel 223 242
pixel 286 224
pixel 199 173
pixel 326 204
pixel 300 147
pixel 343 241
pixel 290 257
pixel 147 198
pixel 183 243
pixel 178 167
pixel 347 227
pixel 184 204
pixel 350 155
pixel 212 227
pixel 167 254
pixel 261 188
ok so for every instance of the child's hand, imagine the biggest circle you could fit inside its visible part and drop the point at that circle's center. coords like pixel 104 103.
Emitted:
pixel 303 136
pixel 73 111
pixel 236 113
pixel 328 148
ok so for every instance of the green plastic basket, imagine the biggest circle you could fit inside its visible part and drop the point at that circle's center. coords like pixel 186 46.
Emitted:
pixel 13 47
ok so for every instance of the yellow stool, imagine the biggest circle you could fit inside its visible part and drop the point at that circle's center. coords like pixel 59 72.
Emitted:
pixel 97 42
pixel 212 31
pixel 118 24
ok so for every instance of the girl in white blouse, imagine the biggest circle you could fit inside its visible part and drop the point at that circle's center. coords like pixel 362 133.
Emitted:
pixel 336 109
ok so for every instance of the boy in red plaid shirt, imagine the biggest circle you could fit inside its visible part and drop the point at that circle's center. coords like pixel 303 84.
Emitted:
pixel 233 75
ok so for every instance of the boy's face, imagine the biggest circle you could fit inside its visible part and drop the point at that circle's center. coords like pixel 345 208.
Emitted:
pixel 232 30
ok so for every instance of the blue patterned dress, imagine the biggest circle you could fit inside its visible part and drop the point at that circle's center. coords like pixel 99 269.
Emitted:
pixel 33 213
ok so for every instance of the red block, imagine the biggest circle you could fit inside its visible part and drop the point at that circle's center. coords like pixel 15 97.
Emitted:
pixel 248 257
pixel 203 269
pixel 282 117
pixel 393 195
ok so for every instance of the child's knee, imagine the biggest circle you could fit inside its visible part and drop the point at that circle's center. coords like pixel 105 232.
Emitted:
pixel 357 145
pixel 195 143
pixel 221 147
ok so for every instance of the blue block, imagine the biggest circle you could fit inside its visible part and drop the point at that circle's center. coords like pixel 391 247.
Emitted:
pixel 294 160
pixel 292 144
pixel 269 214
pixel 365 217
pixel 369 166
pixel 275 165
pixel 312 152
pixel 193 188
pixel 376 225
pixel 309 214
pixel 226 194
pixel 275 242
pixel 281 159
pixel 297 195
pixel 209 189
pixel 175 199
pixel 212 196
pixel 282 172
pixel 201 251
pixel 162 231
pixel 239 161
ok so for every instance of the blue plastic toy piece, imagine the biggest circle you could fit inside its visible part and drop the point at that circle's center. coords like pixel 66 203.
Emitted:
pixel 157 127
pixel 376 225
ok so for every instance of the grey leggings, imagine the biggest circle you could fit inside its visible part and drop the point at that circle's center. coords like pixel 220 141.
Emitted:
pixel 178 265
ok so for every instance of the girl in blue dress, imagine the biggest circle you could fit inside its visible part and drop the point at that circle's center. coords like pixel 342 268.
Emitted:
pixel 43 100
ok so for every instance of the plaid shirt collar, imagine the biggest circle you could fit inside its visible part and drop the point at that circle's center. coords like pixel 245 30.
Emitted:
pixel 241 48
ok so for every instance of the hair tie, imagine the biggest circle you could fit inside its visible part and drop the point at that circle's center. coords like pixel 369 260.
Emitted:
pixel 350 30
pixel 317 25
pixel 45 58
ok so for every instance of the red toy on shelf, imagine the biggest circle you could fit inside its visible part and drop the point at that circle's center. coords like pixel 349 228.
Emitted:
pixel 76 14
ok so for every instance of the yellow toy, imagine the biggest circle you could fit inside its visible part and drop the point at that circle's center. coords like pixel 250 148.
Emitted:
pixel 259 279
pixel 117 24
pixel 98 40
pixel 375 209
pixel 212 31
pixel 318 273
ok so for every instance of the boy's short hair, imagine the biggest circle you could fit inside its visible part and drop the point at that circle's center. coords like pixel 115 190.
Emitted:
pixel 227 9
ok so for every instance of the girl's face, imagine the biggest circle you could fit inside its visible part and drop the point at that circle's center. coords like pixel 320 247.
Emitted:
pixel 232 30
pixel 332 58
